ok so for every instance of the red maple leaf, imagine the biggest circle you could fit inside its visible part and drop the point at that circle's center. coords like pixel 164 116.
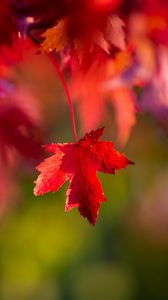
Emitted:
pixel 78 163
pixel 92 91
pixel 19 123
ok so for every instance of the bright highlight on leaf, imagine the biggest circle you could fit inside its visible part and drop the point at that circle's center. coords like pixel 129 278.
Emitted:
pixel 78 163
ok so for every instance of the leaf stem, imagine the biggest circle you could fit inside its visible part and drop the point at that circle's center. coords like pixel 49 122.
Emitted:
pixel 66 90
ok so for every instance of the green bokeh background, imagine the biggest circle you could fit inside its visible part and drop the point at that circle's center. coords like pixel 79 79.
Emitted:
pixel 47 254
